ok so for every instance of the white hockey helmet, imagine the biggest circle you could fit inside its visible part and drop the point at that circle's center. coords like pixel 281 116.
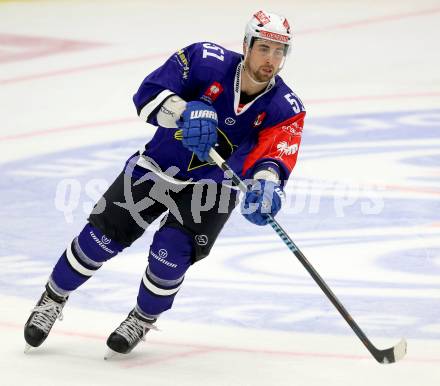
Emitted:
pixel 269 26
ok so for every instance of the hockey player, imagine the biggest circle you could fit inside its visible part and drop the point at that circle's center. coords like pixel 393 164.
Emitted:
pixel 202 96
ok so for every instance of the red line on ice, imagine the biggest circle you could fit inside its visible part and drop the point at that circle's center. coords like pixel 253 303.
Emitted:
pixel 31 47
pixel 166 358
pixel 57 130
pixel 74 70
pixel 195 349
pixel 351 24
pixel 118 121
pixel 372 20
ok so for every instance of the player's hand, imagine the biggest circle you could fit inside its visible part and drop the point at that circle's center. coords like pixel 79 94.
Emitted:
pixel 263 198
pixel 199 128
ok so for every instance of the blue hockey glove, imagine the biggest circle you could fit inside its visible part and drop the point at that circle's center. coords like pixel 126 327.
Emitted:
pixel 263 198
pixel 199 128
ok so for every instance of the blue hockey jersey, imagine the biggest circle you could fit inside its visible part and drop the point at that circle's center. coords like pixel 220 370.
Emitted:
pixel 267 128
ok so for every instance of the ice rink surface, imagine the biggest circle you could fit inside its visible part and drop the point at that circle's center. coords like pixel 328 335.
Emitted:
pixel 364 197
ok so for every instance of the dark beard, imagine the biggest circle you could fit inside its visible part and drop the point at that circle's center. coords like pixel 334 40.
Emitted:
pixel 255 76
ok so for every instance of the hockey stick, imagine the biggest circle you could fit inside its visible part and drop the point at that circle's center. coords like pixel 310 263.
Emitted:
pixel 389 355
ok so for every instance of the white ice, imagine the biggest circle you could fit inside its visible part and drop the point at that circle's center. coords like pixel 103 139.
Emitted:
pixel 265 328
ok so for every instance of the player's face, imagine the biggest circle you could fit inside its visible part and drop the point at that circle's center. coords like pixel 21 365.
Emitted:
pixel 264 59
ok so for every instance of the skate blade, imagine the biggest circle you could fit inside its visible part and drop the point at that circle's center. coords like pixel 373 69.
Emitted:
pixel 111 354
pixel 27 348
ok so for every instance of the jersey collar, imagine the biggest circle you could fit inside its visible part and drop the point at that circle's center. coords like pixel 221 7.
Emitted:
pixel 237 89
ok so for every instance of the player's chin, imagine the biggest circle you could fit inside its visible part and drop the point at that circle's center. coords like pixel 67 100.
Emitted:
pixel 265 75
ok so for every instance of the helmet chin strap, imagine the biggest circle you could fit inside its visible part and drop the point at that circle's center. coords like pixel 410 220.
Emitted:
pixel 251 78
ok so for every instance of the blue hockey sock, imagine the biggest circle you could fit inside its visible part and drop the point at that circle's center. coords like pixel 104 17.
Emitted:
pixel 170 257
pixel 82 258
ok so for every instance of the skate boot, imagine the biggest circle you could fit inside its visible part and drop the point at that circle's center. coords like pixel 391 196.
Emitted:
pixel 43 317
pixel 131 331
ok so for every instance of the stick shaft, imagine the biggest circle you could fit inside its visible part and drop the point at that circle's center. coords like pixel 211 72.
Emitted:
pixel 300 256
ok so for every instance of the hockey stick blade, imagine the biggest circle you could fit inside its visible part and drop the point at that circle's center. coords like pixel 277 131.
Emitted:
pixel 390 355
pixel 386 356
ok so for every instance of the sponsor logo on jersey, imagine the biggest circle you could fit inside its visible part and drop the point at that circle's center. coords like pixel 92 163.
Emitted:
pixel 285 149
pixel 293 128
pixel 197 114
pixel 184 63
pixel 212 92
pixel 260 118
pixel 230 121
pixel 274 36
pixel 262 17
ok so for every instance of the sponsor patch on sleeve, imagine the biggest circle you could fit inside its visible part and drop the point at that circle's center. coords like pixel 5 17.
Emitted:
pixel 183 62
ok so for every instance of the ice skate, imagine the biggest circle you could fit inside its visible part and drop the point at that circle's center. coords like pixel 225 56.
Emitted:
pixel 131 331
pixel 43 316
